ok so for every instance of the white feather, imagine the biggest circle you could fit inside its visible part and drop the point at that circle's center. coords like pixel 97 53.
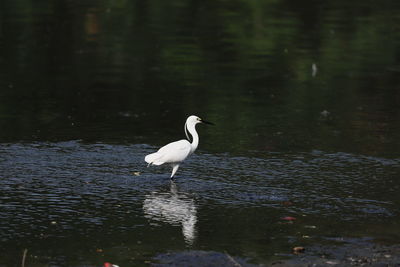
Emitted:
pixel 176 152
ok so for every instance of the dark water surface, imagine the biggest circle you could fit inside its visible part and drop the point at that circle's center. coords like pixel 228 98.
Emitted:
pixel 71 203
pixel 305 98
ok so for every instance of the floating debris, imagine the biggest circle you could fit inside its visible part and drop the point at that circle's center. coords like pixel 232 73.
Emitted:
pixel 297 250
pixel 314 69
pixel 288 218
pixel 24 257
pixel 310 226
pixel 287 203
pixel 332 262
pixel 325 113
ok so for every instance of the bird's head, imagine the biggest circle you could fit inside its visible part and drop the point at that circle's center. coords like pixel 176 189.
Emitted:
pixel 194 120
pixel 191 121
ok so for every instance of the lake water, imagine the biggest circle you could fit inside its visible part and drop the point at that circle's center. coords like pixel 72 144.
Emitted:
pixel 305 151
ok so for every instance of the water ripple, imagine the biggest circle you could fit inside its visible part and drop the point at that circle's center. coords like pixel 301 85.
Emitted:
pixel 55 187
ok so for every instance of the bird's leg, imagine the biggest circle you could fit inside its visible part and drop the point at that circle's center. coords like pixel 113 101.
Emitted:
pixel 174 169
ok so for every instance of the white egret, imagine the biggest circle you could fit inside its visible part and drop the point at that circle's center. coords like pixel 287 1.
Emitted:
pixel 176 152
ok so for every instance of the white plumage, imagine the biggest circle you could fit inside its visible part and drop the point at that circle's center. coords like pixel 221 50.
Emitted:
pixel 176 152
pixel 173 152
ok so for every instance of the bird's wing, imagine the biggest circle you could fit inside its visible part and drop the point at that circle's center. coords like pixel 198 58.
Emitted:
pixel 175 146
pixel 153 158
pixel 174 152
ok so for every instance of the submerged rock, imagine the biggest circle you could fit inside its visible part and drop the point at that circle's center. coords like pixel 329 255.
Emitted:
pixel 199 259
pixel 360 254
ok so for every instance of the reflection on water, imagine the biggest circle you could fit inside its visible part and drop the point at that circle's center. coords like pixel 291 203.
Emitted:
pixel 262 70
pixel 306 94
pixel 82 195
pixel 175 208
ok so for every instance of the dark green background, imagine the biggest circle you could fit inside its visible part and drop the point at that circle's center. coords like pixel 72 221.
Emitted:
pixel 133 71
pixel 305 96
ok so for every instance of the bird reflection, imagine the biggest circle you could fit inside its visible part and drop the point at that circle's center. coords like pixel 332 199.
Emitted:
pixel 174 208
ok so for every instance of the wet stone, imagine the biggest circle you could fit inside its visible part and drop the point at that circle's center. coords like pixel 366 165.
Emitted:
pixel 199 259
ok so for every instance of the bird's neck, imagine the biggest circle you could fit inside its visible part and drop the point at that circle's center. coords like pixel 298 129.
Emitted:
pixel 192 130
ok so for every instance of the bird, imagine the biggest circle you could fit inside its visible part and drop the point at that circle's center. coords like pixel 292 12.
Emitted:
pixel 176 152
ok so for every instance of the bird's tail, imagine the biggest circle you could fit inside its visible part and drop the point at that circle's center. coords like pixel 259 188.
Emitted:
pixel 153 158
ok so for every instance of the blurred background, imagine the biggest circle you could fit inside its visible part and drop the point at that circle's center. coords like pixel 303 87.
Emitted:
pixel 273 75
pixel 305 96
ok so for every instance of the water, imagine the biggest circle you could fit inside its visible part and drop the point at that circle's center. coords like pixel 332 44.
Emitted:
pixel 305 99
pixel 71 203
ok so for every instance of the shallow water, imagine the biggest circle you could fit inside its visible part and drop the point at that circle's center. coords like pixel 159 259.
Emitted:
pixel 74 203
pixel 305 98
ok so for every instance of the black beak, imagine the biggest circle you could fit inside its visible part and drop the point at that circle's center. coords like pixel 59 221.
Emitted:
pixel 207 122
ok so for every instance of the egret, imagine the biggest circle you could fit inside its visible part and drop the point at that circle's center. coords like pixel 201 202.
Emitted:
pixel 176 152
